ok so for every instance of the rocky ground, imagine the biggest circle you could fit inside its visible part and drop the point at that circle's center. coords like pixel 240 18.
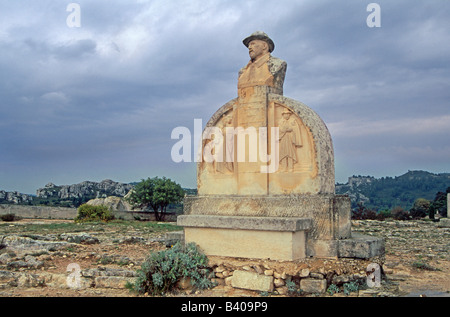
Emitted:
pixel 35 256
pixel 417 254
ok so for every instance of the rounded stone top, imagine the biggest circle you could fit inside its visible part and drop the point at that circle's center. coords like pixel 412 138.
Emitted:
pixel 259 35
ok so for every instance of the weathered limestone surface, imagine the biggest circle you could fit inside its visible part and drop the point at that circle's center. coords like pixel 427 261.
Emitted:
pixel 361 246
pixel 312 174
pixel 329 214
pixel 311 285
pixel 246 223
pixel 277 238
pixel 444 223
pixel 252 281
pixel 114 203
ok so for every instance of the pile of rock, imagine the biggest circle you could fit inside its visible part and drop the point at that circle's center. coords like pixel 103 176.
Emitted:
pixel 310 276
pixel 23 264
pixel 98 278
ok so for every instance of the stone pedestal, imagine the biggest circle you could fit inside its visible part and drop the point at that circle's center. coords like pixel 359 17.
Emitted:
pixel 328 217
pixel 275 238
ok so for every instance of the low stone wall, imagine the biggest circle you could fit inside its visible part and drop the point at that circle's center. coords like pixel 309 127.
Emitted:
pixel 39 212
pixel 46 212
pixel 310 276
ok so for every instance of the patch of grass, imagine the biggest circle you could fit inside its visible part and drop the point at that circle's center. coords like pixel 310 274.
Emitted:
pixel 63 227
pixel 70 249
pixel 423 266
pixel 151 226
pixel 40 228
pixel 106 260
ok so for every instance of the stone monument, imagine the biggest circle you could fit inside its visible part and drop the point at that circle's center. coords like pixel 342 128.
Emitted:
pixel 266 185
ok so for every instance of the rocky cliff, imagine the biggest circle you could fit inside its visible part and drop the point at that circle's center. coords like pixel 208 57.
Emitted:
pixel 104 188
pixel 14 198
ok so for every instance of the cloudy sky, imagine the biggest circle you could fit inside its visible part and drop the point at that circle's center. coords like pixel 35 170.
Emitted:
pixel 100 101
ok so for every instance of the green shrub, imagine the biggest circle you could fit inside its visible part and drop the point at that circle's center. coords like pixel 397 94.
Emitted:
pixel 423 266
pixel 398 213
pixel 93 213
pixel 292 288
pixel 332 289
pixel 350 287
pixel 385 213
pixel 162 270
pixel 10 217
pixel 363 213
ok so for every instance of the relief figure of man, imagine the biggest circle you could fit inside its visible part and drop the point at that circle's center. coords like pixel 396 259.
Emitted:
pixel 290 140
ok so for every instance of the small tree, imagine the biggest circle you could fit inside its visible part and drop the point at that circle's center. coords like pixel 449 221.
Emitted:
pixel 439 204
pixel 156 193
pixel 420 208
pixel 363 213
pixel 398 213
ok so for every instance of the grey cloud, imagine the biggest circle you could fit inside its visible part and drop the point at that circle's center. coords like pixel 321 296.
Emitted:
pixel 76 49
pixel 104 98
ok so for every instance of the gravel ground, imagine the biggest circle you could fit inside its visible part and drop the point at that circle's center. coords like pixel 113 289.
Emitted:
pixel 417 259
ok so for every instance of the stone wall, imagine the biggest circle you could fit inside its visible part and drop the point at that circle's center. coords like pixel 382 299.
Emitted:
pixel 46 212
pixel 39 212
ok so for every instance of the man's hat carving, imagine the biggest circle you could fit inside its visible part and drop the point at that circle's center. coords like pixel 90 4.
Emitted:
pixel 259 35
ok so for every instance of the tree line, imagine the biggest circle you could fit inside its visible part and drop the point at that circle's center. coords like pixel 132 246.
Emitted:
pixel 421 208
pixel 387 193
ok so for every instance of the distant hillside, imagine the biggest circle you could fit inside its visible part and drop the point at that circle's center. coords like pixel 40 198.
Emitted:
pixel 73 195
pixel 77 194
pixel 375 193
pixel 388 192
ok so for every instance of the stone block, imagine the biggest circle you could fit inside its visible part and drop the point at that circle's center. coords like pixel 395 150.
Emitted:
pixel 361 246
pixel 311 285
pixel 322 248
pixel 444 223
pixel 171 238
pixel 274 245
pixel 247 237
pixel 252 281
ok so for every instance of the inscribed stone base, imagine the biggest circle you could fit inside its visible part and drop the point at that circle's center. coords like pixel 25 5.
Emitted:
pixel 330 214
pixel 255 244
pixel 325 220
pixel 276 238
